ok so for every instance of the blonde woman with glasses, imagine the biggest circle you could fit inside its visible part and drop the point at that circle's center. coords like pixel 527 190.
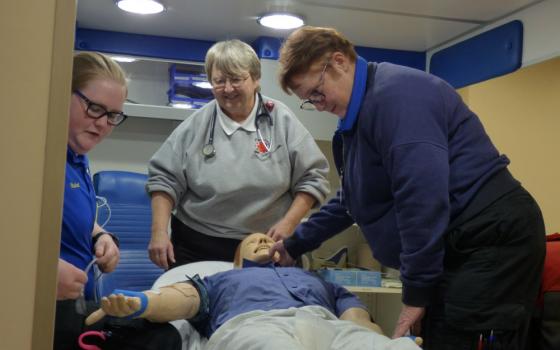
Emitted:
pixel 99 90
pixel 243 163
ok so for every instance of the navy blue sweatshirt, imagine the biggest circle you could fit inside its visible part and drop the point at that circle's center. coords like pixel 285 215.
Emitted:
pixel 411 156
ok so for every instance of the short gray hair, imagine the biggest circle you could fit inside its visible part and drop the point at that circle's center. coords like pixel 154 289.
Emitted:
pixel 232 57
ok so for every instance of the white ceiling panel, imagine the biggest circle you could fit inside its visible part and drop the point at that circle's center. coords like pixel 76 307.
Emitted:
pixel 394 24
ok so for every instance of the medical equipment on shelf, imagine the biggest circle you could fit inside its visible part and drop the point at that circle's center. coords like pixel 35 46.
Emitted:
pixel 209 151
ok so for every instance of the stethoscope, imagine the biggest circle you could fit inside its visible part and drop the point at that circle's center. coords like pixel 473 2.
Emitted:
pixel 209 151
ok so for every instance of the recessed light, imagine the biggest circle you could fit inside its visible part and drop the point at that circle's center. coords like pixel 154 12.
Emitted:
pixel 280 20
pixel 143 7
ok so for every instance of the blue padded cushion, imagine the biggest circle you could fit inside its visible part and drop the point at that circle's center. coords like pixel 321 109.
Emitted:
pixel 490 54
pixel 122 187
pixel 131 212
pixel 135 272
pixel 131 220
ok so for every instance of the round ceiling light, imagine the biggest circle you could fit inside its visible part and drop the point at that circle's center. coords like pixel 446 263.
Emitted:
pixel 280 21
pixel 143 7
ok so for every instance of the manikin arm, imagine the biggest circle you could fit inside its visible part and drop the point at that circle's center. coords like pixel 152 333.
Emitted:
pixel 174 302
pixel 360 317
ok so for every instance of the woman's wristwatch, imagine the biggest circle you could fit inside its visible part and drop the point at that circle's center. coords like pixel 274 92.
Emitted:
pixel 99 234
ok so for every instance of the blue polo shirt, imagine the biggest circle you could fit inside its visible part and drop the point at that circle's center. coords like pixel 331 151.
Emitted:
pixel 78 215
pixel 266 287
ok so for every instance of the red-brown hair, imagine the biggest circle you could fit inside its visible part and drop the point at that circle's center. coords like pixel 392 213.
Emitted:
pixel 306 46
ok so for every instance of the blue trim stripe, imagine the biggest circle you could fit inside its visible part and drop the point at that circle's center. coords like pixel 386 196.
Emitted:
pixel 488 55
pixel 195 50
pixel 485 56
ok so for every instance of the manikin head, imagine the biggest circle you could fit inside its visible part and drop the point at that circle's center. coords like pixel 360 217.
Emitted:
pixel 255 248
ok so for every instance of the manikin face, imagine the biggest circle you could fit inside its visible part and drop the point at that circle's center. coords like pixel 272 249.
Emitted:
pixel 328 83
pixel 84 132
pixel 255 247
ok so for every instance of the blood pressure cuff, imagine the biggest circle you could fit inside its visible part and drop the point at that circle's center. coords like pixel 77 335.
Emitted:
pixel 204 309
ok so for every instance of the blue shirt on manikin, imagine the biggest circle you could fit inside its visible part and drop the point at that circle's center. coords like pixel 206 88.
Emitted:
pixel 78 216
pixel 411 156
pixel 266 287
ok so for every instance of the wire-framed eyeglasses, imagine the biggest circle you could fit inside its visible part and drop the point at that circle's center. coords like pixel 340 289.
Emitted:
pixel 315 96
pixel 235 82
pixel 96 111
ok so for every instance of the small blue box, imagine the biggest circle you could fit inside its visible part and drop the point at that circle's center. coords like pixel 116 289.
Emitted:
pixel 351 277
pixel 369 279
pixel 181 75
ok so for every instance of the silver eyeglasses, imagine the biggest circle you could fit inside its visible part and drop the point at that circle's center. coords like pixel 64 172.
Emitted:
pixel 96 111
pixel 315 96
pixel 234 82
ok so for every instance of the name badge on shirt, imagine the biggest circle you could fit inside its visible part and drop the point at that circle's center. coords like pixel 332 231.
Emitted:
pixel 74 185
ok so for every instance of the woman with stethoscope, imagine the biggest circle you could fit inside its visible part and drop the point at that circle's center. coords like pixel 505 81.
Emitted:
pixel 264 145
pixel 243 163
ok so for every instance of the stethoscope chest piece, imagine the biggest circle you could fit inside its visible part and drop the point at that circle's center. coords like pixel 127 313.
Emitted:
pixel 208 150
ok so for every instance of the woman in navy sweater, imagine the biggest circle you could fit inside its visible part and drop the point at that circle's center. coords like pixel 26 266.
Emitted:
pixel 428 189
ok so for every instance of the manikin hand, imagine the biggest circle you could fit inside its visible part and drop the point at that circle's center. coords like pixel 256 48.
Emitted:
pixel 280 255
pixel 161 250
pixel 409 319
pixel 178 301
pixel 70 281
pixel 116 305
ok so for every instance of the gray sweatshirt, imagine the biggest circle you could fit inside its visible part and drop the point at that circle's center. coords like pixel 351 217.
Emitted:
pixel 240 190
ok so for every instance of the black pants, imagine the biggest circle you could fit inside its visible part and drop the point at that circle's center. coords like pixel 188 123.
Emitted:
pixel 190 245
pixel 492 271
pixel 69 324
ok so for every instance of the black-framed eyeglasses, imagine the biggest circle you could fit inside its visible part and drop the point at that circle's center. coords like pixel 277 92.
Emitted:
pixel 315 96
pixel 235 82
pixel 96 111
